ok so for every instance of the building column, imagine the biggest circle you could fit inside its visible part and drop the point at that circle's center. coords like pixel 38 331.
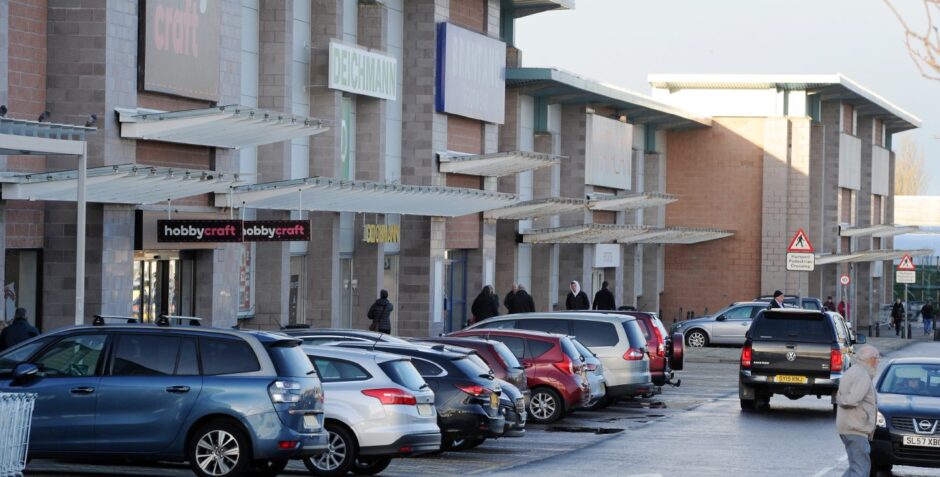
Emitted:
pixel 215 301
pixel 652 257
pixel 829 200
pixel 798 193
pixel 866 284
pixel 117 259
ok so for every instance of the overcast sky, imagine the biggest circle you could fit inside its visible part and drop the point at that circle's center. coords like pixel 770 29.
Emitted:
pixel 622 41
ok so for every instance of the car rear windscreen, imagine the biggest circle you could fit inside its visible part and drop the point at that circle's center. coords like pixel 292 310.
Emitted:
pixel 403 373
pixel 472 367
pixel 805 327
pixel 291 361
pixel 570 350
pixel 506 355
pixel 634 334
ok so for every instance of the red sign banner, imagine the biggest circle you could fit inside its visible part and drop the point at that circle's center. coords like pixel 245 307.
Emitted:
pixel 276 230
pixel 205 231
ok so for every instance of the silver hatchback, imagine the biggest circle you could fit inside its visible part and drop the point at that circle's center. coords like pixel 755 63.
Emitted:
pixel 377 407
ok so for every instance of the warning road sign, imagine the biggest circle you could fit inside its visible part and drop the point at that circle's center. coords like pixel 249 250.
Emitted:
pixel 800 243
pixel 905 276
pixel 906 264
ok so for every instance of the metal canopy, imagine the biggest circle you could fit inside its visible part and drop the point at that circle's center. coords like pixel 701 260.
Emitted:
pixel 124 184
pixel 336 195
pixel 877 231
pixel 497 164
pixel 632 201
pixel 627 234
pixel 521 8
pixel 532 209
pixel 881 255
pixel 21 137
pixel 230 127
pixel 830 87
pixel 556 86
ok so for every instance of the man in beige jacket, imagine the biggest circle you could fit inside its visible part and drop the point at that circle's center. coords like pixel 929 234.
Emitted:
pixel 856 411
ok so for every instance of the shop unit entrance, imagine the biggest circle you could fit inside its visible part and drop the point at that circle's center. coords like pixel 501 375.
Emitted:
pixel 163 284
pixel 455 290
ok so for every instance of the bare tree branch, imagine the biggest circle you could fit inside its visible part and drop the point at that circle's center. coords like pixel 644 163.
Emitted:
pixel 923 48
pixel 910 174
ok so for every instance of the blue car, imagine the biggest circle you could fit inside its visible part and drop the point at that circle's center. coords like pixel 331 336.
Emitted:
pixel 228 402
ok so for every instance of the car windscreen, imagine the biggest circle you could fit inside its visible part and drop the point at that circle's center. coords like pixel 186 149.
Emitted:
pixel 571 350
pixel 811 305
pixel 634 334
pixel 472 367
pixel 291 361
pixel 403 373
pixel 912 379
pixel 805 327
pixel 506 355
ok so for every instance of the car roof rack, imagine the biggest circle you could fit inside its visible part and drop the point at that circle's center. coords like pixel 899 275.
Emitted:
pixel 164 320
pixel 99 319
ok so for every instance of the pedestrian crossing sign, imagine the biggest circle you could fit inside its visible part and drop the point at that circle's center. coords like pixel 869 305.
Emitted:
pixel 800 243
pixel 906 264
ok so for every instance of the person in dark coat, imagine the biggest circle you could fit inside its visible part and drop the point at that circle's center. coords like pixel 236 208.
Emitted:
pixel 829 304
pixel 485 305
pixel 380 313
pixel 577 299
pixel 18 331
pixel 522 302
pixel 604 299
pixel 897 316
pixel 777 302
pixel 507 302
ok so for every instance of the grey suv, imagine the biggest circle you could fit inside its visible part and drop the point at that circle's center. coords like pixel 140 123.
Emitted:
pixel 229 402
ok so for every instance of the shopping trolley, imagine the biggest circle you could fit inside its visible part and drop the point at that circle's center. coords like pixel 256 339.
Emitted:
pixel 16 413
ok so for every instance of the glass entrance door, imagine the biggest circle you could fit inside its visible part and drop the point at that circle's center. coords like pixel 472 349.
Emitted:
pixel 158 290
pixel 455 290
pixel 349 287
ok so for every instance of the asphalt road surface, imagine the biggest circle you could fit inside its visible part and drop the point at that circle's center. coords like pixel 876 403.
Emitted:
pixel 694 430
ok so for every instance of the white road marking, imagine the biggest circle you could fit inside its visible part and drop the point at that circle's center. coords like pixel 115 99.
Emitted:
pixel 825 471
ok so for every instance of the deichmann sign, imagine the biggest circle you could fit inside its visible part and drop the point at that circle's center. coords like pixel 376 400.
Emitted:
pixel 609 147
pixel 181 36
pixel 471 74
pixel 381 233
pixel 360 71
pixel 215 231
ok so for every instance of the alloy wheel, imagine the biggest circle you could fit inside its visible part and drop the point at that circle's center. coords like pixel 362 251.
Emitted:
pixel 334 456
pixel 217 452
pixel 697 339
pixel 543 405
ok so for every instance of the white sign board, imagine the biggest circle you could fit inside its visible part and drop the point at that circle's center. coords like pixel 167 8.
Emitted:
pixel 608 152
pixel 905 276
pixel 471 74
pixel 607 255
pixel 359 71
pixel 801 262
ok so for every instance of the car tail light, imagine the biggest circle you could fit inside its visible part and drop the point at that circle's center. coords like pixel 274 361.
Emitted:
pixel 474 389
pixel 565 366
pixel 835 360
pixel 633 354
pixel 747 355
pixel 661 347
pixel 284 392
pixel 391 396
pixel 288 444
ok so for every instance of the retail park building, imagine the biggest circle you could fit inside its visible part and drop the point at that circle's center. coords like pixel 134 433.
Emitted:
pixel 415 154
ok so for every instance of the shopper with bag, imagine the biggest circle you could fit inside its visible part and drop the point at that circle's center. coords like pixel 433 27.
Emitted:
pixel 379 313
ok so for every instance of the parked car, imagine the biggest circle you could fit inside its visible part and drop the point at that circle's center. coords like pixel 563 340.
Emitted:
pixel 466 395
pixel 796 301
pixel 594 370
pixel 378 408
pixel 617 340
pixel 907 427
pixel 727 326
pixel 315 336
pixel 553 367
pixel 227 401
pixel 666 353
pixel 795 353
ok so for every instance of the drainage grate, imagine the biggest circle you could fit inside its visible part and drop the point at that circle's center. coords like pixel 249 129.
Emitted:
pixel 587 430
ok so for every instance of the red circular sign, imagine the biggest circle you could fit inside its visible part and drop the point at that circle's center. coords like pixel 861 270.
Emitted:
pixel 845 280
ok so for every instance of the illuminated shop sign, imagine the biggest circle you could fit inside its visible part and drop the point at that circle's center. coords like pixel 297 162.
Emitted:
pixel 381 233
pixel 220 231
pixel 276 230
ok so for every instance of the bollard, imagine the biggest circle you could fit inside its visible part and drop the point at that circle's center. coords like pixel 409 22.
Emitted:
pixel 878 331
pixel 909 336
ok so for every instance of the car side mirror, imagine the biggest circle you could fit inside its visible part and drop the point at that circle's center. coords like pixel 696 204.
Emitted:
pixel 24 371
pixel 860 339
pixel 721 318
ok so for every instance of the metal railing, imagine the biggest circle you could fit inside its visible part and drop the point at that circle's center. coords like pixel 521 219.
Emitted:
pixel 16 412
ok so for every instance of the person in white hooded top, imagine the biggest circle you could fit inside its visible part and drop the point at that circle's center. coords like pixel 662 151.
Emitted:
pixel 577 299
pixel 856 411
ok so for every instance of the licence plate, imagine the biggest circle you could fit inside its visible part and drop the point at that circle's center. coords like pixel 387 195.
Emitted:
pixel 494 401
pixel 921 441
pixel 425 410
pixel 311 422
pixel 783 378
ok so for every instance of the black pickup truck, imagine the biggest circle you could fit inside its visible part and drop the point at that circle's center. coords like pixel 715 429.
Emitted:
pixel 793 352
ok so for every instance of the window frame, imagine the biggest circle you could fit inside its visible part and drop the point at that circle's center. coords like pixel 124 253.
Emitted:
pixel 116 342
pixel 202 365
pixel 432 363
pixel 323 379
pixel 102 359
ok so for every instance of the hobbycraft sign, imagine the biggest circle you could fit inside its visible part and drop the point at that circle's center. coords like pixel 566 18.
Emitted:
pixel 276 230
pixel 220 231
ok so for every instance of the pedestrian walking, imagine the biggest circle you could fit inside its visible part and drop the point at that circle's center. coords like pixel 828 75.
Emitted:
pixel 18 331
pixel 927 312
pixel 856 409
pixel 380 313
pixel 777 301
pixel 841 308
pixel 485 305
pixel 507 302
pixel 604 299
pixel 577 299
pixel 522 301
pixel 829 305
pixel 897 316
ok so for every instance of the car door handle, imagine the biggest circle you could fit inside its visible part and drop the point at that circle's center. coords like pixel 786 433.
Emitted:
pixel 82 390
pixel 178 389
pixel 527 365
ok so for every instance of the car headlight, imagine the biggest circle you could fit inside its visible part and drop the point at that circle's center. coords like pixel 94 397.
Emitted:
pixel 880 420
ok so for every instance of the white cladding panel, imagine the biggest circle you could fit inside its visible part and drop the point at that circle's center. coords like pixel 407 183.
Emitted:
pixel 608 153
pixel 880 158
pixel 850 161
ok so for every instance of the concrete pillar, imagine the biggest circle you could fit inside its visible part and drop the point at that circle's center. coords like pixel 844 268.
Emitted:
pixel 829 197
pixel 117 259
pixel 215 301
pixel 775 231
pixel 798 196
pixel 865 308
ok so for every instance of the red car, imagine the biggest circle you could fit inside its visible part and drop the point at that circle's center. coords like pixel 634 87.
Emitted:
pixel 665 352
pixel 553 368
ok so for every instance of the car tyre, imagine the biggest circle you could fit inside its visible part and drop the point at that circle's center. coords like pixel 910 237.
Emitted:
pixel 747 404
pixel 696 339
pixel 268 468
pixel 878 469
pixel 219 448
pixel 469 443
pixel 545 405
pixel 340 455
pixel 371 465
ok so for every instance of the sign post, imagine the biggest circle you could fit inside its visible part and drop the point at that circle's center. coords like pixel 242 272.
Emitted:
pixel 844 280
pixel 906 274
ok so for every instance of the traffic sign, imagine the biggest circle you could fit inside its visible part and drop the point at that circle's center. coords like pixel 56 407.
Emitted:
pixel 801 262
pixel 907 264
pixel 800 243
pixel 905 276
pixel 845 280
